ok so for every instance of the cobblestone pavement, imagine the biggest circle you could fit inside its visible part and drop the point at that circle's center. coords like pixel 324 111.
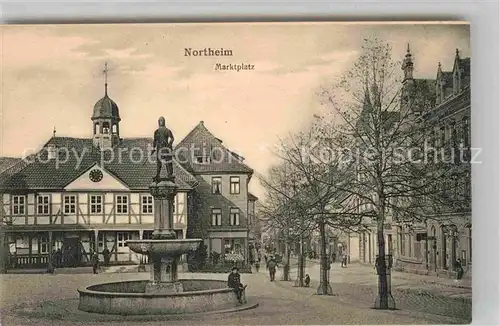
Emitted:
pixel 357 285
pixel 279 304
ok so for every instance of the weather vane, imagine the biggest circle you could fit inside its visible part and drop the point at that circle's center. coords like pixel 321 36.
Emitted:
pixel 105 72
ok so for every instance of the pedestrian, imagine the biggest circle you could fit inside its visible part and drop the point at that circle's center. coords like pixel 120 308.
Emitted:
pixel 95 262
pixel 257 266
pixel 106 255
pixel 59 257
pixel 234 282
pixel 459 269
pixel 343 262
pixel 334 257
pixel 271 265
pixel 307 280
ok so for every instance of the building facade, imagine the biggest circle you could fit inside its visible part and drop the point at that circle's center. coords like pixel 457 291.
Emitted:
pixel 445 239
pixel 434 246
pixel 221 196
pixel 79 195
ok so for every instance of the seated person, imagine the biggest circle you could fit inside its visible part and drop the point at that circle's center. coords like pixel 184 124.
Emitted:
pixel 234 282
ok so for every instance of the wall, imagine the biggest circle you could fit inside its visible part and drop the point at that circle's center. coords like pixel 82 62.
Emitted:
pixel 225 200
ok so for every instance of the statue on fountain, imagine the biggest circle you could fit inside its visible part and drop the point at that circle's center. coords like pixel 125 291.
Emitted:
pixel 163 140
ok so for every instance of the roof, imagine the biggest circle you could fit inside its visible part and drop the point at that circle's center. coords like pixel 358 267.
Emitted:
pixel 464 65
pixel 201 142
pixel 424 94
pixel 447 78
pixel 7 162
pixel 132 167
pixel 106 108
pixel 252 197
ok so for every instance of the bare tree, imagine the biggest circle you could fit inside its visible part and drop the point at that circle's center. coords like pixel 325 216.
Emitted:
pixel 313 181
pixel 382 116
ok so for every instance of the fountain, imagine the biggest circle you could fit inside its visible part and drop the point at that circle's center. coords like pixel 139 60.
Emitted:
pixel 164 293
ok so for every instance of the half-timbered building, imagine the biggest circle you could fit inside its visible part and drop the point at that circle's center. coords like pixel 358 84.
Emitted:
pixel 79 195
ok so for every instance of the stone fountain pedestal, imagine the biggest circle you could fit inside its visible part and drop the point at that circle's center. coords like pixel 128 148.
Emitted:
pixel 164 250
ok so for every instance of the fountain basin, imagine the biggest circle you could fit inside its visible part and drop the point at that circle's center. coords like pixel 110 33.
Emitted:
pixel 129 298
pixel 164 247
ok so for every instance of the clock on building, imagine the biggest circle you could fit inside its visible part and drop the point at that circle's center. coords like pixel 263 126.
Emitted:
pixel 95 175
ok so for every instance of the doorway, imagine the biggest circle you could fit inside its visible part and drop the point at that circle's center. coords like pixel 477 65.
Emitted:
pixel 71 252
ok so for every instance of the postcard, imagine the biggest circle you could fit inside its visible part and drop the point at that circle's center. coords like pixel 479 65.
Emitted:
pixel 236 173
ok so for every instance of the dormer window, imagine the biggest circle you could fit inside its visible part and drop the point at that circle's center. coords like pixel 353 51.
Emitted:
pixel 51 151
pixel 202 159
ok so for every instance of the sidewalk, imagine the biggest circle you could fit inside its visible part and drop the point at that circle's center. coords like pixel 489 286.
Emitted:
pixel 360 269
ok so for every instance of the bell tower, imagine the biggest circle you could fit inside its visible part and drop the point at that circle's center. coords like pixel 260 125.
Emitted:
pixel 105 119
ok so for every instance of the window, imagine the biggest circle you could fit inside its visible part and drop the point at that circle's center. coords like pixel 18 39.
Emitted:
pixel 18 205
pixel 232 246
pixel 44 245
pixel 234 185
pixel 22 242
pixel 216 216
pixel 122 238
pixel 408 236
pixel 95 204
pixel 100 240
pixel 147 204
pixel 216 185
pixel 418 244
pixel 234 216
pixel 442 134
pixel 121 204
pixel 42 207
pixel 202 159
pixel 105 127
pixel 69 204
pixel 453 135
pixel 465 131
pixel 402 242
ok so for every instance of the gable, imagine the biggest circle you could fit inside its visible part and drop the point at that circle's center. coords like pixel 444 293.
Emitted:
pixel 201 143
pixel 84 181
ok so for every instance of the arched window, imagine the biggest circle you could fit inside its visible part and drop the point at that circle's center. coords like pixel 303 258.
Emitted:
pixel 469 240
pixel 113 130
pixel 444 248
pixel 465 131
pixel 97 130
pixel 105 127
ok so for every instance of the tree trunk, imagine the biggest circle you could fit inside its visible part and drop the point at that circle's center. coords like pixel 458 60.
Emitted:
pixel 4 252
pixel 382 301
pixel 324 286
pixel 286 263
pixel 300 264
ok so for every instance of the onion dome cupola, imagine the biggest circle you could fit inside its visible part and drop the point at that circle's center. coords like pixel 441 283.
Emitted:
pixel 106 119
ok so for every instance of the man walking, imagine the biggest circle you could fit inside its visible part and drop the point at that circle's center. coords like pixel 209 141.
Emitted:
pixel 271 265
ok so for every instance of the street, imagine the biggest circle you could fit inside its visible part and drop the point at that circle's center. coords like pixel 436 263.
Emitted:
pixel 43 299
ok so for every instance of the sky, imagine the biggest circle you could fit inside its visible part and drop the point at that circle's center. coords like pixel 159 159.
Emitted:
pixel 52 77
